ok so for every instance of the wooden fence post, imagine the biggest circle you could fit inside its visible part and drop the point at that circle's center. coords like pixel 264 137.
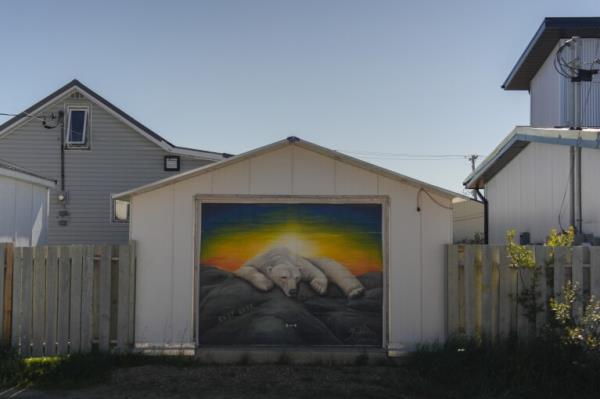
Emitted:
pixel 2 289
pixel 487 293
pixel 452 289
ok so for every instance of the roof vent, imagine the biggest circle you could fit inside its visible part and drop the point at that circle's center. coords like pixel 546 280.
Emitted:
pixel 76 95
pixel 293 139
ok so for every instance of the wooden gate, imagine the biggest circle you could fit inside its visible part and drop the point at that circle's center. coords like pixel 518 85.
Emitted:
pixel 68 299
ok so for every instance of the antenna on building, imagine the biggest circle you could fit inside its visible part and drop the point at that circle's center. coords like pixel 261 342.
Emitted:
pixel 576 73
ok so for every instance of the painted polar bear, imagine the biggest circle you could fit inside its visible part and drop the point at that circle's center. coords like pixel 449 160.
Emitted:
pixel 282 267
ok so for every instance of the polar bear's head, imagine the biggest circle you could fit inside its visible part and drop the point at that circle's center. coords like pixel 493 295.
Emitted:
pixel 286 276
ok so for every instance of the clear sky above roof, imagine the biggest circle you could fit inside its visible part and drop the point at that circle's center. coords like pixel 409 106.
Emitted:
pixel 371 78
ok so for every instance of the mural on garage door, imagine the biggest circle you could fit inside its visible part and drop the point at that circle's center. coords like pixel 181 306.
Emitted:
pixel 291 274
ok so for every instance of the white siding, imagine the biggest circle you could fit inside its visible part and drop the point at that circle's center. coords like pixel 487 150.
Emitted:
pixel 119 159
pixel 23 212
pixel 527 194
pixel 545 95
pixel 552 95
pixel 163 225
pixel 468 219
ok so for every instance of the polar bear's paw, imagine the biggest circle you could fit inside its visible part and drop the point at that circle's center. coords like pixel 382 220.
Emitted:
pixel 319 285
pixel 356 292
pixel 262 283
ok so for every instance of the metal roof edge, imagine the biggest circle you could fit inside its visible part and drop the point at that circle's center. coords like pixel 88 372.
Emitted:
pixel 586 138
pixel 14 171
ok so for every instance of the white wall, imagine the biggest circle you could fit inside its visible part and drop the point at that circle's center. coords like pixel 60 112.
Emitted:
pixel 163 226
pixel 527 195
pixel 23 212
pixel 468 219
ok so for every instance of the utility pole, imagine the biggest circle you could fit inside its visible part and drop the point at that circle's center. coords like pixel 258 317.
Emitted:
pixel 473 158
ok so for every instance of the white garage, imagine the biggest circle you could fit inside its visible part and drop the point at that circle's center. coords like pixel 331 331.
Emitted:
pixel 289 245
pixel 23 206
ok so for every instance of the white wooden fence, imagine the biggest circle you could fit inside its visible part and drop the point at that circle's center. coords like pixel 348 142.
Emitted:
pixel 67 299
pixel 482 288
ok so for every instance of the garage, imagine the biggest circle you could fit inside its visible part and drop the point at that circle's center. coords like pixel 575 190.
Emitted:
pixel 290 245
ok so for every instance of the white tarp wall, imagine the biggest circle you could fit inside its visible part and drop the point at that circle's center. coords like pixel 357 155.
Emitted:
pixel 163 223
pixel 23 212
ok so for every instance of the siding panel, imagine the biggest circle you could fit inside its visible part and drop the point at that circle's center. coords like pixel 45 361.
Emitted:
pixel 119 159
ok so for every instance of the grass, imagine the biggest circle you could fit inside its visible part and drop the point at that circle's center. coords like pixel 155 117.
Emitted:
pixel 458 369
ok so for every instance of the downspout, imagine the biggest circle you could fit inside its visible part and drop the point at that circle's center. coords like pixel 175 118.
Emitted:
pixel 572 184
pixel 485 216
pixel 579 199
pixel 62 154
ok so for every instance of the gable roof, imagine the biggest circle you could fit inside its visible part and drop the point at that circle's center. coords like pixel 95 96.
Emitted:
pixel 6 127
pixel 8 169
pixel 543 42
pixel 280 144
pixel 520 138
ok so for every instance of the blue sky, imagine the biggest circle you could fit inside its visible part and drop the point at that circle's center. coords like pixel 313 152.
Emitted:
pixel 420 77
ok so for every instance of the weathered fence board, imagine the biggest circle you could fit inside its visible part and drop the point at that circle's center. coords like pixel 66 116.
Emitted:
pixel 8 294
pixel 51 305
pixel 17 295
pixel 53 309
pixel 2 277
pixel 491 287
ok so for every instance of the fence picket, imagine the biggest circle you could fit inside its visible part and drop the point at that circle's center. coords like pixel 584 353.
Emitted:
pixel 39 304
pixel 87 296
pixel 487 292
pixel 470 294
pixel 541 255
pixel 123 298
pixel 104 298
pixel 26 301
pixel 577 278
pixel 8 295
pixel 595 272
pixel 452 272
pixel 17 298
pixel 524 277
pixel 560 257
pixel 75 300
pixel 132 279
pixel 64 274
pixel 51 300
pixel 3 269
pixel 504 292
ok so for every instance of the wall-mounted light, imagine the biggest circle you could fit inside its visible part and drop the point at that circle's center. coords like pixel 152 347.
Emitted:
pixel 172 163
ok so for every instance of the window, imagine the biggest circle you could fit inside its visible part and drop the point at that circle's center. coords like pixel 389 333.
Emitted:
pixel 120 211
pixel 77 126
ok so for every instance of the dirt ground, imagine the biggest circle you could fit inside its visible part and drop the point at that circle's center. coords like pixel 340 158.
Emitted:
pixel 256 381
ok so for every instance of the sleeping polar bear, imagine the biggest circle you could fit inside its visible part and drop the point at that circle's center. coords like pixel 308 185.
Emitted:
pixel 280 266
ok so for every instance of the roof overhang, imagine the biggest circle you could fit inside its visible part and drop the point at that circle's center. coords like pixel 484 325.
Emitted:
pixel 518 139
pixel 10 125
pixel 280 144
pixel 15 172
pixel 543 42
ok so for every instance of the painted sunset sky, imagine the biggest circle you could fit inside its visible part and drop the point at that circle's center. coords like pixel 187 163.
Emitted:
pixel 348 233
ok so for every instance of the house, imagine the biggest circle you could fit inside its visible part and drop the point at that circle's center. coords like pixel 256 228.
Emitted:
pixel 544 176
pixel 23 206
pixel 326 250
pixel 93 150
pixel 468 216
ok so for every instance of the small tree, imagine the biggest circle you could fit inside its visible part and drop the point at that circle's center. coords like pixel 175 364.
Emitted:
pixel 580 331
pixel 521 257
